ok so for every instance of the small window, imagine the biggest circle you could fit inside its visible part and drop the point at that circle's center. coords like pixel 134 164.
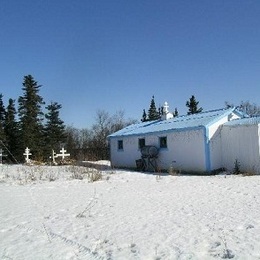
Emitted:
pixel 141 143
pixel 120 145
pixel 163 142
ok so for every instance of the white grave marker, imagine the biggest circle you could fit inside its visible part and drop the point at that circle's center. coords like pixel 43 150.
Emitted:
pixel 62 153
pixel 27 154
pixel 53 156
pixel 1 156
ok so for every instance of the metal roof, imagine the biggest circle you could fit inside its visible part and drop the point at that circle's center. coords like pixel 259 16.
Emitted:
pixel 175 124
pixel 244 121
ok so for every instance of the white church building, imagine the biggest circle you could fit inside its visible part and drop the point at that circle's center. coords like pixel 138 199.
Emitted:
pixel 201 142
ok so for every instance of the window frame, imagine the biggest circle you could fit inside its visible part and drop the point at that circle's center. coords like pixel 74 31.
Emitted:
pixel 139 143
pixel 120 145
pixel 163 142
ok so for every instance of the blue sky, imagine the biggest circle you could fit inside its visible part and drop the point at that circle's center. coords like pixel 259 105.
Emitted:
pixel 113 55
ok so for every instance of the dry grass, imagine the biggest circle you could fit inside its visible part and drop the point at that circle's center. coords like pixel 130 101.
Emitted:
pixel 25 174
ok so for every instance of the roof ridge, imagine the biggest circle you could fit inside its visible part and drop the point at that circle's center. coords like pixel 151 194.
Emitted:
pixel 208 111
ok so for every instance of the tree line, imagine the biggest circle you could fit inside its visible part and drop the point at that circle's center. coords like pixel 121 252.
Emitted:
pixel 249 109
pixel 29 126
pixel 155 114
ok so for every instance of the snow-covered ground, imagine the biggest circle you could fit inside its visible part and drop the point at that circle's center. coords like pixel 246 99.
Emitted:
pixel 52 213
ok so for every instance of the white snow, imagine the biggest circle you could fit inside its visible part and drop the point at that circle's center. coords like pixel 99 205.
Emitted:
pixel 126 215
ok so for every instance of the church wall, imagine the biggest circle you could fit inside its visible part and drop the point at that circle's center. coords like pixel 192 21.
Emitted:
pixel 185 150
pixel 241 143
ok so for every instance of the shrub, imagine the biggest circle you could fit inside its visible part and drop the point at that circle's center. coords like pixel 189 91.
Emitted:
pixel 51 177
pixel 77 176
pixel 94 176
pixel 236 169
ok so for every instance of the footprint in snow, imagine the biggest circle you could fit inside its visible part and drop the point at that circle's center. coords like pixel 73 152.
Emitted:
pixel 249 226
pixel 133 248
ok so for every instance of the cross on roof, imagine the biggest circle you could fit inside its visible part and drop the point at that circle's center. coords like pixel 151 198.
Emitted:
pixel 165 107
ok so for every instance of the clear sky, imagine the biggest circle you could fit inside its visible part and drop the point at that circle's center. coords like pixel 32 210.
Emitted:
pixel 113 55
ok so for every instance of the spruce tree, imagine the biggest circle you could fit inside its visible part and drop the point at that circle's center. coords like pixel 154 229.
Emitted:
pixel 176 112
pixel 144 117
pixel 192 104
pixel 153 114
pixel 31 116
pixel 160 112
pixel 54 130
pixel 2 119
pixel 12 132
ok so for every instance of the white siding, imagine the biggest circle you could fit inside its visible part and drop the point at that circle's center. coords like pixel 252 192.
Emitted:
pixel 215 141
pixel 258 140
pixel 215 144
pixel 185 150
pixel 215 150
pixel 127 156
pixel 241 142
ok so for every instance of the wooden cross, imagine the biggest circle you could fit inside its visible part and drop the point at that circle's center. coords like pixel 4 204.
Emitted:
pixel 27 154
pixel 53 156
pixel 63 153
pixel 1 156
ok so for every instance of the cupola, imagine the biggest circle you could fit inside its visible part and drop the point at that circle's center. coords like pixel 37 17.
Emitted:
pixel 166 114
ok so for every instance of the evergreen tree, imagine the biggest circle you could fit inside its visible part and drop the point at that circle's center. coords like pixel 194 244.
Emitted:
pixel 160 112
pixel 12 131
pixel 192 104
pixel 176 112
pixel 31 116
pixel 144 117
pixel 152 112
pixel 54 128
pixel 2 119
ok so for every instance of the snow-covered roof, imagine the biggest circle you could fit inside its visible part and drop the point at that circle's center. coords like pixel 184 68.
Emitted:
pixel 176 123
pixel 244 121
